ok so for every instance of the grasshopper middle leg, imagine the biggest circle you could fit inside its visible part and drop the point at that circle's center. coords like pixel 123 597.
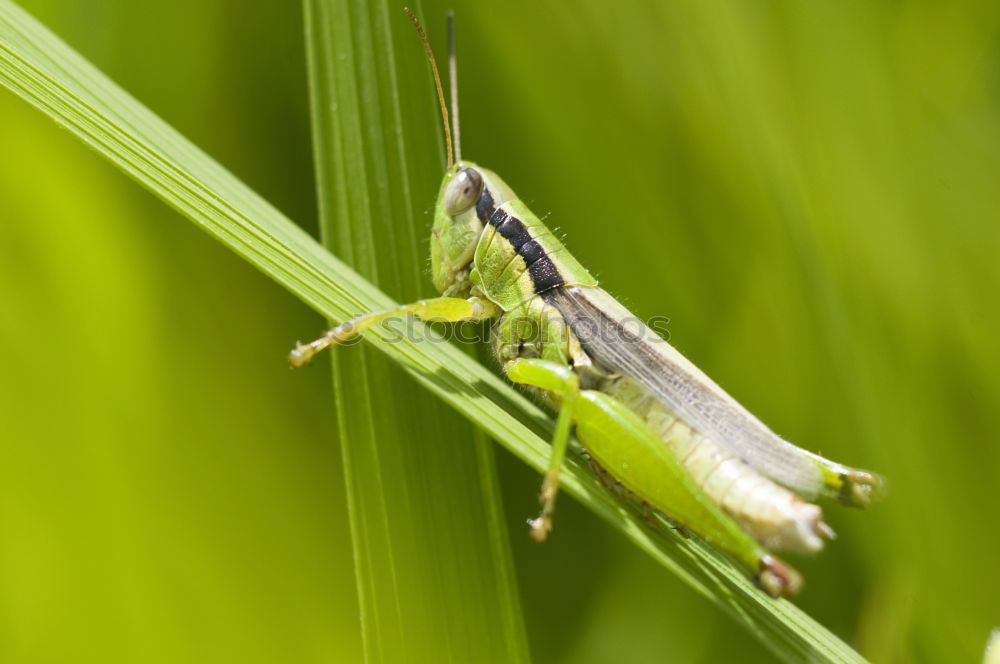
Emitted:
pixel 561 381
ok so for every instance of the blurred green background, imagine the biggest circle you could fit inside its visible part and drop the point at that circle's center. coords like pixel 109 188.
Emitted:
pixel 808 191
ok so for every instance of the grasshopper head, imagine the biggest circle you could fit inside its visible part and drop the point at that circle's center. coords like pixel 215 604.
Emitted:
pixel 458 222
pixel 459 218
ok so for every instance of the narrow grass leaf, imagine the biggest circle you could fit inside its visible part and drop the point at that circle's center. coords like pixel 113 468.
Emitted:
pixel 434 572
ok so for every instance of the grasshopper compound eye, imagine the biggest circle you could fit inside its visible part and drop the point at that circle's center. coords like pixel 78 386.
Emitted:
pixel 463 191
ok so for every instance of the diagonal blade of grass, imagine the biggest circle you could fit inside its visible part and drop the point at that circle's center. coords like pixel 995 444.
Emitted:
pixel 48 74
pixel 424 518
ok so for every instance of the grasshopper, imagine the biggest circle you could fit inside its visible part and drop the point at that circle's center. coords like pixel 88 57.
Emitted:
pixel 648 418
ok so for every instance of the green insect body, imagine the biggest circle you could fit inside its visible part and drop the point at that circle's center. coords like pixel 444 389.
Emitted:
pixel 645 414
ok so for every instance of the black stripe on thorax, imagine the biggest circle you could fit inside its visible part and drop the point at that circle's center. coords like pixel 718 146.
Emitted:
pixel 544 274
pixel 485 206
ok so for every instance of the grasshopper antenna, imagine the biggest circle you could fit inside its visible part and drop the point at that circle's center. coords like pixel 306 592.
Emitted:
pixel 453 82
pixel 437 84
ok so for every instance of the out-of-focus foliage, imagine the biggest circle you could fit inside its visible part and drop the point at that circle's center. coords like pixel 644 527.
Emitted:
pixel 805 189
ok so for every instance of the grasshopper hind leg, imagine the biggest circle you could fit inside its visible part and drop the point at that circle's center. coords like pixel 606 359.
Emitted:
pixel 643 469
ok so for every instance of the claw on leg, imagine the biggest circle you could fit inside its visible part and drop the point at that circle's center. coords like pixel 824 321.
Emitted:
pixel 301 355
pixel 778 579
pixel 304 353
pixel 542 526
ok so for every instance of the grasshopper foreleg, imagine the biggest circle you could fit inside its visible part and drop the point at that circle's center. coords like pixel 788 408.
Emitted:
pixel 443 309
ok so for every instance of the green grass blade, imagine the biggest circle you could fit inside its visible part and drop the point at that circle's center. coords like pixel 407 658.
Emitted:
pixel 44 71
pixel 422 516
